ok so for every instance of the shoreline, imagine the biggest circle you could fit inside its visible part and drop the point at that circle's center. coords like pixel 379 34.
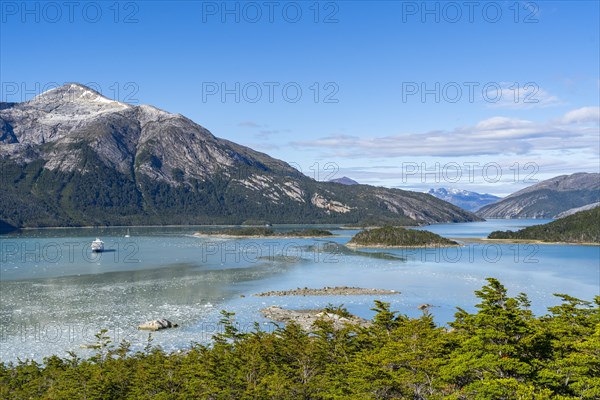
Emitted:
pixel 351 228
pixel 385 246
pixel 332 226
pixel 171 226
pixel 524 241
pixel 339 226
pixel 225 236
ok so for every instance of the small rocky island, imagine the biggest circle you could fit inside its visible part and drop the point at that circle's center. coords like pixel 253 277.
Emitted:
pixel 307 318
pixel 265 232
pixel 328 291
pixel 394 236
pixel 579 228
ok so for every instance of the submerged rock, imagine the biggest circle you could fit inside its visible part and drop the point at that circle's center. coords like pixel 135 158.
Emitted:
pixel 157 324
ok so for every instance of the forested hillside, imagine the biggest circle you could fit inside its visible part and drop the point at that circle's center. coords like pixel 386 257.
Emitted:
pixel 581 227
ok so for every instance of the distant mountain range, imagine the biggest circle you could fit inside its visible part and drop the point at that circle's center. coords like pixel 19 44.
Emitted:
pixel 470 201
pixel 547 199
pixel 581 227
pixel 344 180
pixel 73 157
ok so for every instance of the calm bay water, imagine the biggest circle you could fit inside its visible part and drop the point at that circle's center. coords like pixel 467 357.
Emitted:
pixel 55 294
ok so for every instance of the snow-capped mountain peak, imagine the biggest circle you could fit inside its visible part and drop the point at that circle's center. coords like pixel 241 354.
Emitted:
pixel 74 93
pixel 465 199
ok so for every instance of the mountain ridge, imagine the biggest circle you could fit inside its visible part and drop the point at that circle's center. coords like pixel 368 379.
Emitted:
pixel 344 180
pixel 572 211
pixel 548 198
pixel 73 157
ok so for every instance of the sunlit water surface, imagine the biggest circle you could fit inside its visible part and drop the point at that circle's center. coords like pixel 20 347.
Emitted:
pixel 55 294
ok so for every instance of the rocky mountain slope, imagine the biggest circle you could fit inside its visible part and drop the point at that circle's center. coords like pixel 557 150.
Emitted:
pixel 548 198
pixel 470 201
pixel 73 157
pixel 572 211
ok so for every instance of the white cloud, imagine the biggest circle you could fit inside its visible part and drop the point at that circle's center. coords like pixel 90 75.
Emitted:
pixel 512 95
pixel 263 131
pixel 576 130
pixel 500 176
pixel 582 115
pixel 249 124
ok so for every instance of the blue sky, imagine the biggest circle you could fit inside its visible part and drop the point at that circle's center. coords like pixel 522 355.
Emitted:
pixel 486 96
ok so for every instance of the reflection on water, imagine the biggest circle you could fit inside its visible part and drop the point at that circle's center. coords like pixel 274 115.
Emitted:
pixel 334 251
pixel 55 294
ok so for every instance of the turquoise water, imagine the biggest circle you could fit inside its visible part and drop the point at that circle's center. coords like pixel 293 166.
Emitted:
pixel 55 294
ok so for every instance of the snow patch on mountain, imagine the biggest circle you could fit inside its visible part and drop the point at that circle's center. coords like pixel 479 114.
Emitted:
pixel 467 200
